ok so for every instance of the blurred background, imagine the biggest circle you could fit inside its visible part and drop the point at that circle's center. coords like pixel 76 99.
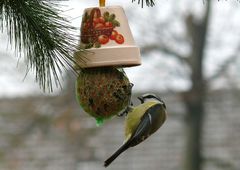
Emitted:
pixel 190 55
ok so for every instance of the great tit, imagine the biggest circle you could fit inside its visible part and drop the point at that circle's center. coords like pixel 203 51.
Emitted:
pixel 141 121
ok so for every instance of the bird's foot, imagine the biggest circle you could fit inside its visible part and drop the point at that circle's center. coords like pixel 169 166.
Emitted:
pixel 126 111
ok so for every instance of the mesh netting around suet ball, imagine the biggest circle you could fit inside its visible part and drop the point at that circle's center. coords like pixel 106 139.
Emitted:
pixel 103 92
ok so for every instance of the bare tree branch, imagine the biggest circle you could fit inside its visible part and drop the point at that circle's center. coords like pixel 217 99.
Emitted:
pixel 164 49
pixel 225 66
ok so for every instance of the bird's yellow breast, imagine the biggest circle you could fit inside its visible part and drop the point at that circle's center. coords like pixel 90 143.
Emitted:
pixel 133 118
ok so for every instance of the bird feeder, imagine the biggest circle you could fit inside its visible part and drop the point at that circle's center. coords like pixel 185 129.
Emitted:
pixel 102 88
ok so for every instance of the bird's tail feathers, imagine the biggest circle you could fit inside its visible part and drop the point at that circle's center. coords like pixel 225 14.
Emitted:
pixel 116 154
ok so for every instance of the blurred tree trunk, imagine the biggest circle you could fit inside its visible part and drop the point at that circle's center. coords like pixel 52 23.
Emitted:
pixel 194 98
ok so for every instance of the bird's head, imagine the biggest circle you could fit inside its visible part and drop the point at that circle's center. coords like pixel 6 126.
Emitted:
pixel 150 96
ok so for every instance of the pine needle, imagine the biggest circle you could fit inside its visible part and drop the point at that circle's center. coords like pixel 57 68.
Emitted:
pixel 37 30
pixel 150 3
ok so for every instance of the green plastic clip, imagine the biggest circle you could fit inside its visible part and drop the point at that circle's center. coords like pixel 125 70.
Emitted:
pixel 99 122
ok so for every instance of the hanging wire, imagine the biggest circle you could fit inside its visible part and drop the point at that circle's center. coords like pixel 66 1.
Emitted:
pixel 150 3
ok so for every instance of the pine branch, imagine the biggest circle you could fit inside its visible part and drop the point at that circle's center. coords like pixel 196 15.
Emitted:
pixel 148 2
pixel 37 30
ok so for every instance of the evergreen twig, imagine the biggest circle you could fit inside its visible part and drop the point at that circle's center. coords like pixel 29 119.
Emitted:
pixel 148 2
pixel 37 30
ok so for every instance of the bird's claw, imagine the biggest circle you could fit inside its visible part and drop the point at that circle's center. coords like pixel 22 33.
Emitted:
pixel 126 111
pixel 128 108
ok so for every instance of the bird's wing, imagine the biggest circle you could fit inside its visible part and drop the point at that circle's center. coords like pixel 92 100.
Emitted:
pixel 145 127
pixel 142 131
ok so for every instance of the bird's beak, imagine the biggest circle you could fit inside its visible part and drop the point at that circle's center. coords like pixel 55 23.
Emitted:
pixel 141 99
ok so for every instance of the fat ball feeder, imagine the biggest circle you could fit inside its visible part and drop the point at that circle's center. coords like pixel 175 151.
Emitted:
pixel 102 88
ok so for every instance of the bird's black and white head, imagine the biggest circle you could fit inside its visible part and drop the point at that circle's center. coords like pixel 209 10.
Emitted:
pixel 150 96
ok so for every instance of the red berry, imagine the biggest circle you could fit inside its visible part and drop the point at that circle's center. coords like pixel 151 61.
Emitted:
pixel 103 39
pixel 119 39
pixel 108 24
pixel 99 25
pixel 95 20
pixel 101 20
pixel 113 35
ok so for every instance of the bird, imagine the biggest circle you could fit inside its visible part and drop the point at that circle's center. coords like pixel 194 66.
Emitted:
pixel 141 122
